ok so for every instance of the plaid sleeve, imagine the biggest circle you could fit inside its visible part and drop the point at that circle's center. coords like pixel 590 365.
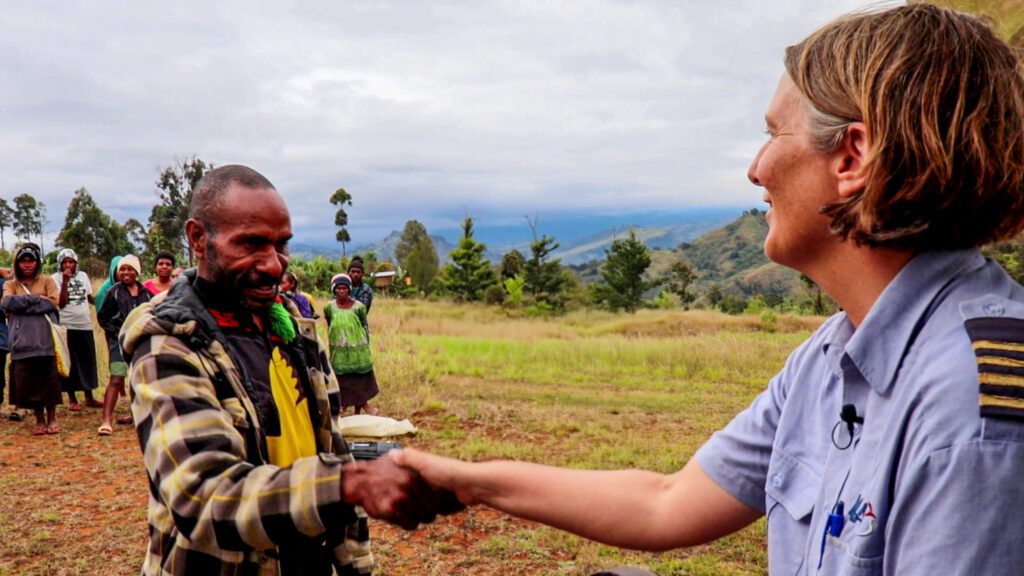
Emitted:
pixel 194 454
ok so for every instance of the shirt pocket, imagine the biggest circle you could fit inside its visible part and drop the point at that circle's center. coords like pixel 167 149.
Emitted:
pixel 791 490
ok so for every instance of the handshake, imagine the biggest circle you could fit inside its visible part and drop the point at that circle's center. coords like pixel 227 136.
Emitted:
pixel 389 488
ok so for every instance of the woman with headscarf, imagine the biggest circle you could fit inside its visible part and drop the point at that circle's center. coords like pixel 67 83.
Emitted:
pixel 75 291
pixel 350 347
pixel 101 293
pixel 30 300
pixel 122 298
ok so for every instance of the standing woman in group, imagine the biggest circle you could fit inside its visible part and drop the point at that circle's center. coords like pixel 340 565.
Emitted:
pixel 122 298
pixel 5 347
pixel 350 347
pixel 29 299
pixel 75 291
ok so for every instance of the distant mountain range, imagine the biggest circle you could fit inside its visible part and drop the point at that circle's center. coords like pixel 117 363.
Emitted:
pixel 731 256
pixel 581 239
pixel 724 248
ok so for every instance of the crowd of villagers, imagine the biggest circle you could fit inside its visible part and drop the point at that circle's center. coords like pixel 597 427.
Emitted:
pixel 38 376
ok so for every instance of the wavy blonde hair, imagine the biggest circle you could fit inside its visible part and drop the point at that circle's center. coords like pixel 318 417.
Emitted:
pixel 942 98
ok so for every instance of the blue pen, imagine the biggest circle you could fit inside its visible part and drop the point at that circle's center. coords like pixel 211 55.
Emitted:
pixel 833 526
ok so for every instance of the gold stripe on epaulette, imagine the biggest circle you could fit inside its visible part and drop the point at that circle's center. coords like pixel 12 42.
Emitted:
pixel 1000 361
pixel 992 344
pixel 1002 401
pixel 1001 379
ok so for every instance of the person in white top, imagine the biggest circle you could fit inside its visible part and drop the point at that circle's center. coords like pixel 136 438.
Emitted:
pixel 75 296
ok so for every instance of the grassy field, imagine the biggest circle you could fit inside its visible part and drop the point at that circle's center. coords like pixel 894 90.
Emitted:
pixel 589 390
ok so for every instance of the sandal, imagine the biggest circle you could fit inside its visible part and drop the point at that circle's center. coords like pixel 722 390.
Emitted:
pixel 105 430
pixel 90 403
pixel 53 429
pixel 75 407
pixel 39 430
pixel 125 420
pixel 15 416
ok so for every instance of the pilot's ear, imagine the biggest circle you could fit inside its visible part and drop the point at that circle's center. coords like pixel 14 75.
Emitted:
pixel 850 158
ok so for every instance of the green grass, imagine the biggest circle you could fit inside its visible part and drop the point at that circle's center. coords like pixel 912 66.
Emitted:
pixel 586 390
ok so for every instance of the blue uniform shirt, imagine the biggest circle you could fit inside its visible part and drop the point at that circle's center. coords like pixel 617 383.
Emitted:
pixel 930 483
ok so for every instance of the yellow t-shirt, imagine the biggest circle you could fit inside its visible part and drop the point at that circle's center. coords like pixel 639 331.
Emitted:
pixel 296 439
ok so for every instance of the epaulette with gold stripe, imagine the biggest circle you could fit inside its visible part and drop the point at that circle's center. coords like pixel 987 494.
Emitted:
pixel 998 344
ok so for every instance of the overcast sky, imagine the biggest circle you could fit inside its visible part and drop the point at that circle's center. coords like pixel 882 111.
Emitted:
pixel 426 110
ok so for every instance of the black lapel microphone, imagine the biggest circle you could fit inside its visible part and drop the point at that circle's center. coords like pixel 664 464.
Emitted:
pixel 848 415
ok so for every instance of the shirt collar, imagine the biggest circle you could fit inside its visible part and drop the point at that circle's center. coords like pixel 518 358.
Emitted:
pixel 877 347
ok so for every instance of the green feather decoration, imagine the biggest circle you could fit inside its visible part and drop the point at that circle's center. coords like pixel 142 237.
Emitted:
pixel 281 324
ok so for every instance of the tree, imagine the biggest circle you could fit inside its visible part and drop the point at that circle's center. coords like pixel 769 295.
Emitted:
pixel 341 198
pixel 92 234
pixel 544 278
pixel 416 253
pixel 468 274
pixel 714 294
pixel 27 217
pixel 136 234
pixel 6 221
pixel 514 287
pixel 512 264
pixel 680 277
pixel 623 270
pixel 176 184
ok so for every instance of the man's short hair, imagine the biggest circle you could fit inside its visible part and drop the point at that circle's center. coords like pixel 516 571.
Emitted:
pixel 165 255
pixel 942 98
pixel 208 192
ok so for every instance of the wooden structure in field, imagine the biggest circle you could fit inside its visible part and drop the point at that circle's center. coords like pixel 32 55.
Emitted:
pixel 383 279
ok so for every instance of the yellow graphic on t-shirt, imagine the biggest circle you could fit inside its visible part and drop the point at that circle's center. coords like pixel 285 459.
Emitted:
pixel 296 439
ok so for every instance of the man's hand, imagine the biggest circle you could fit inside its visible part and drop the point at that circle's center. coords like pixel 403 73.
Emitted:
pixel 398 495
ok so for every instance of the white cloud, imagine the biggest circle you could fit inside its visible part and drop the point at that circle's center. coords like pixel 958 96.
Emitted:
pixel 420 110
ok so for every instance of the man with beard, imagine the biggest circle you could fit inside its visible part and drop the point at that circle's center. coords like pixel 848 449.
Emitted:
pixel 234 403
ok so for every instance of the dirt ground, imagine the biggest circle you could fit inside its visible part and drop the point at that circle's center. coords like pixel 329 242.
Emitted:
pixel 75 503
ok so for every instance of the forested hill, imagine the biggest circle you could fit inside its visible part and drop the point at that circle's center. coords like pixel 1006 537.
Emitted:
pixel 730 251
pixel 733 258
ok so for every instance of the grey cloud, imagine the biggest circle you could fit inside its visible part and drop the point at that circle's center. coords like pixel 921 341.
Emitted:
pixel 421 110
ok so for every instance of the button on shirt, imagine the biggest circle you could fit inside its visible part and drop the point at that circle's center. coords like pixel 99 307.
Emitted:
pixel 926 485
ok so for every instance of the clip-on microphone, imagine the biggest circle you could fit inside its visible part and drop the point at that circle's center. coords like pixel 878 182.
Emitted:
pixel 848 415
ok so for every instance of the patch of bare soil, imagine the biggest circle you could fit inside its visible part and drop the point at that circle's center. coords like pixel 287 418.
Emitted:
pixel 75 503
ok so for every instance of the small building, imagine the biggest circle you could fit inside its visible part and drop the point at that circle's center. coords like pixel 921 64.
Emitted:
pixel 383 279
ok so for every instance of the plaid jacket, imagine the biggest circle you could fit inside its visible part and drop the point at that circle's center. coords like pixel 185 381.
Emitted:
pixel 216 507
